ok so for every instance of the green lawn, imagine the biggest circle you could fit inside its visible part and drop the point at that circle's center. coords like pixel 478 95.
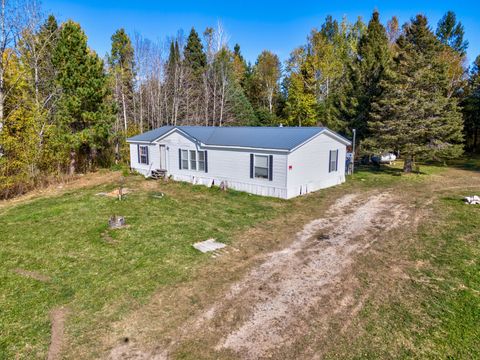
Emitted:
pixel 63 237
pixel 452 290
pixel 101 275
pixel 435 312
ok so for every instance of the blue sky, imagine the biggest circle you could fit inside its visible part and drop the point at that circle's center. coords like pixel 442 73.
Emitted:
pixel 278 26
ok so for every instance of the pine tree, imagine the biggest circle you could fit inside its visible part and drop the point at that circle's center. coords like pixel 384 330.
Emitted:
pixel 84 116
pixel 174 76
pixel 194 56
pixel 330 29
pixel 195 61
pixel 47 41
pixel 413 114
pixel 241 109
pixel 471 108
pixel 173 58
pixel 368 70
pixel 240 67
pixel 122 75
pixel 451 33
pixel 122 69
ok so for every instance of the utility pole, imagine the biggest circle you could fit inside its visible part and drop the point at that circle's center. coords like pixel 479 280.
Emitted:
pixel 353 148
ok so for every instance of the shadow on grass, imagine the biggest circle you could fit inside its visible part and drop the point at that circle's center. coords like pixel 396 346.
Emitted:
pixel 387 169
pixel 469 162
pixel 383 169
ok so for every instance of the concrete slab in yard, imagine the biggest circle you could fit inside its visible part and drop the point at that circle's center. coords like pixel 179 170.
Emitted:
pixel 208 245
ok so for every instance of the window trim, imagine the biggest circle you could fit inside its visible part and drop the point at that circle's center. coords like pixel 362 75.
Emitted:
pixel 261 167
pixel 200 165
pixel 201 161
pixel 333 161
pixel 192 160
pixel 185 159
pixel 145 155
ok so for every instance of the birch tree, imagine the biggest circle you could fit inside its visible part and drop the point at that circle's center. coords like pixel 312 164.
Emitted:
pixel 267 72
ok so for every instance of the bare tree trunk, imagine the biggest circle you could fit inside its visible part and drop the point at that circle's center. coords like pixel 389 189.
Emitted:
pixel 141 109
pixel 408 164
pixel 270 99
pixel 4 42
pixel 2 101
pixel 206 100
pixel 214 114
pixel 222 99
pixel 73 163
pixel 117 124
pixel 124 108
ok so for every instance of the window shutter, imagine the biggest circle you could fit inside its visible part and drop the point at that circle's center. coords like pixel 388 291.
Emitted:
pixel 251 166
pixel 180 159
pixel 270 167
pixel 330 161
pixel 148 153
pixel 336 162
pixel 138 153
pixel 206 161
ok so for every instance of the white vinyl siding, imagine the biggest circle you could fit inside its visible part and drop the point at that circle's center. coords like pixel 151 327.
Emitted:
pixel 229 165
pixel 308 166
pixel 153 158
pixel 288 175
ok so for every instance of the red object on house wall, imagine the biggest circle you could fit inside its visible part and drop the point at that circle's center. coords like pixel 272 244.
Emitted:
pixel 290 167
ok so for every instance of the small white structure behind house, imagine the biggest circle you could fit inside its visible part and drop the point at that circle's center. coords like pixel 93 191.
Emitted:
pixel 273 161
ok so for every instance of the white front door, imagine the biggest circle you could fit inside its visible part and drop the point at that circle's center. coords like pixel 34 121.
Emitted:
pixel 163 158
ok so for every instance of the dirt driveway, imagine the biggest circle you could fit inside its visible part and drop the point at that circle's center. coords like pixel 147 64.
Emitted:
pixel 269 309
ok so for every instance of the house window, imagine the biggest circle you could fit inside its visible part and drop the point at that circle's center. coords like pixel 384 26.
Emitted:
pixel 333 161
pixel 185 159
pixel 143 154
pixel 261 166
pixel 201 160
pixel 193 160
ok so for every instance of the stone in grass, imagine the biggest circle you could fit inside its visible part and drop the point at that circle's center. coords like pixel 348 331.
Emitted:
pixel 208 245
pixel 116 222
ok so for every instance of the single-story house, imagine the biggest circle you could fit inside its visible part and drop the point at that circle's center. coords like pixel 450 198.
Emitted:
pixel 273 161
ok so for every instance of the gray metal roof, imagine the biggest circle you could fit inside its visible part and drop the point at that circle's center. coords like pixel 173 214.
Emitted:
pixel 282 138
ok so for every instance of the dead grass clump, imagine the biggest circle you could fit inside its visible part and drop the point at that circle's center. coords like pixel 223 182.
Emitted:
pixel 33 275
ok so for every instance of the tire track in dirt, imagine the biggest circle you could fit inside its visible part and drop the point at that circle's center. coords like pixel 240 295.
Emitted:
pixel 289 282
pixel 268 309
